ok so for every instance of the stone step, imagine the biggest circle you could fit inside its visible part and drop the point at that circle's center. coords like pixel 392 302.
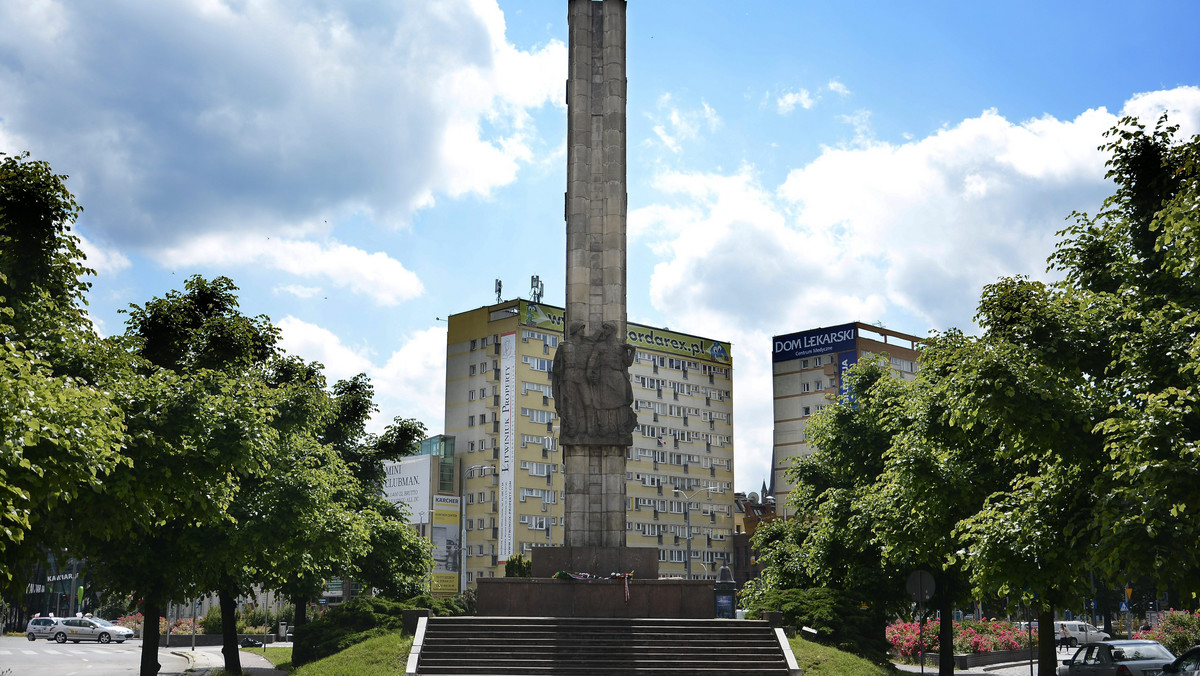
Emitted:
pixel 613 646
pixel 496 668
pixel 610 668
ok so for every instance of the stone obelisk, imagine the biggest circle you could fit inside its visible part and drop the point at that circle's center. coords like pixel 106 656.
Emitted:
pixel 592 391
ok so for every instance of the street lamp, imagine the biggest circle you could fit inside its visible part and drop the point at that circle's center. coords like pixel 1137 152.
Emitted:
pixel 687 517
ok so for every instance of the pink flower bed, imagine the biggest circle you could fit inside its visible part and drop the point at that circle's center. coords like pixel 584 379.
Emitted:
pixel 1178 630
pixel 969 637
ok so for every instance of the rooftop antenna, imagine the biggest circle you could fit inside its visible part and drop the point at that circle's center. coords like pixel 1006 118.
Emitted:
pixel 536 288
pixel 498 287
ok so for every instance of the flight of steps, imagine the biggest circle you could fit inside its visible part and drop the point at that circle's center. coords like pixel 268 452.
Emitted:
pixel 597 646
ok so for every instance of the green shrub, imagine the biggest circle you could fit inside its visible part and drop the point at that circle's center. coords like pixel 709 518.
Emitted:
pixel 518 566
pixel 841 621
pixel 211 622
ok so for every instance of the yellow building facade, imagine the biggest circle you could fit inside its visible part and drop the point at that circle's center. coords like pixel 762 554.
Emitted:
pixel 500 409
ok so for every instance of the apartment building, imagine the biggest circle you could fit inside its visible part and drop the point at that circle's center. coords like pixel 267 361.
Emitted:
pixel 808 368
pixel 500 409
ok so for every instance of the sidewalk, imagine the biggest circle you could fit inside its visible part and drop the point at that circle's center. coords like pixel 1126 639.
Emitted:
pixel 206 659
pixel 1005 669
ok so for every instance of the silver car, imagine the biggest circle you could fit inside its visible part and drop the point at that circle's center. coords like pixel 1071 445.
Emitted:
pixel 1187 664
pixel 76 629
pixel 1113 658
pixel 41 627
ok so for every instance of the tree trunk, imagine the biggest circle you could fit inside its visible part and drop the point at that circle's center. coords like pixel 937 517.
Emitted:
pixel 300 617
pixel 300 652
pixel 151 611
pixel 229 638
pixel 945 628
pixel 1047 648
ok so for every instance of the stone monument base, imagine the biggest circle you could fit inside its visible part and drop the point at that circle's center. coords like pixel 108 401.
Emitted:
pixel 641 561
pixel 544 596
pixel 547 597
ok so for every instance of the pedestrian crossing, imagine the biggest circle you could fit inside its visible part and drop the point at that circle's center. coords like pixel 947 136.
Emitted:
pixel 59 650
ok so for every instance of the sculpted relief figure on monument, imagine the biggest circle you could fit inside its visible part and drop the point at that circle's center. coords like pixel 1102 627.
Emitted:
pixel 592 394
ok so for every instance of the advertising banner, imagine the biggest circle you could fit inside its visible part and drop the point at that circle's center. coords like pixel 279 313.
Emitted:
pixel 446 535
pixel 406 482
pixel 817 341
pixel 506 504
pixel 845 361
pixel 548 318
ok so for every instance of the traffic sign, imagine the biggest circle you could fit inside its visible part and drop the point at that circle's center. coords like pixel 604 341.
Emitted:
pixel 1124 607
pixel 920 586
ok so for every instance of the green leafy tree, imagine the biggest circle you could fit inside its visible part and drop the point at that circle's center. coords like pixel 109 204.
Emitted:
pixel 60 432
pixel 390 556
pixel 831 541
pixel 199 416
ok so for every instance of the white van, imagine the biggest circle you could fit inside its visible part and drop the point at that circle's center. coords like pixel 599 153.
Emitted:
pixel 1073 633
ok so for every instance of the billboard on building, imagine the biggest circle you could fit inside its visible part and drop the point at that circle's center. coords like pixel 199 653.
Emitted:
pixel 406 482
pixel 445 533
pixel 845 361
pixel 506 504
pixel 550 318
pixel 840 338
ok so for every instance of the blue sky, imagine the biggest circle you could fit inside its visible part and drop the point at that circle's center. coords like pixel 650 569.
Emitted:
pixel 361 169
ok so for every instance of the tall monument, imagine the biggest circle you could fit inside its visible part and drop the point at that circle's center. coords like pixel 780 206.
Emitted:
pixel 592 393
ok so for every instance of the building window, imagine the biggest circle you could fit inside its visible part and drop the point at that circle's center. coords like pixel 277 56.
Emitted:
pixel 804 387
pixel 472 369
pixel 470 421
pixel 538 364
pixel 807 410
pixel 537 415
pixel 474 344
pixel 471 395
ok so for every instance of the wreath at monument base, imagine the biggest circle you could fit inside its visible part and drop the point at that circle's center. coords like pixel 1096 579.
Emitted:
pixel 568 575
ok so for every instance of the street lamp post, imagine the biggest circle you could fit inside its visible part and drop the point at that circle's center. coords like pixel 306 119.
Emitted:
pixel 687 517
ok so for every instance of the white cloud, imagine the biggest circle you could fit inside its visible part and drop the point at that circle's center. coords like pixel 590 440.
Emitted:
pixel 904 233
pixel 672 125
pixel 314 343
pixel 837 87
pixel 181 118
pixel 788 100
pixel 298 290
pixel 1182 104
pixel 104 260
pixel 375 275
pixel 861 121
pixel 410 384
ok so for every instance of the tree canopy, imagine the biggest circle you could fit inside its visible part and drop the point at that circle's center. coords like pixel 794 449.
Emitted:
pixel 186 456
pixel 1059 442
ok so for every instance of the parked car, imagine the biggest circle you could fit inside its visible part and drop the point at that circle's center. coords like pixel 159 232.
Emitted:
pixel 40 627
pixel 1077 633
pixel 1118 658
pixel 76 629
pixel 1187 664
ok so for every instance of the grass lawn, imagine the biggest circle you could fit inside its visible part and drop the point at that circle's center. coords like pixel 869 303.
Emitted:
pixel 380 656
pixel 819 660
pixel 280 657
